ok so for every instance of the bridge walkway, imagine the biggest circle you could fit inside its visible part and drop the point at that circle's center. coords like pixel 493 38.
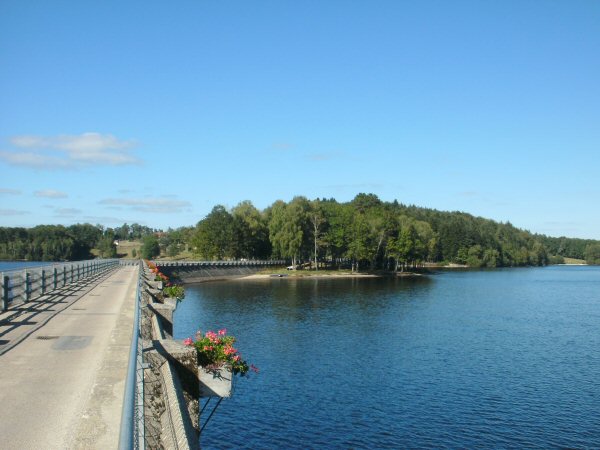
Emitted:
pixel 63 365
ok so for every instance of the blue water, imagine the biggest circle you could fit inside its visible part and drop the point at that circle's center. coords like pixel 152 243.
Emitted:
pixel 16 265
pixel 477 359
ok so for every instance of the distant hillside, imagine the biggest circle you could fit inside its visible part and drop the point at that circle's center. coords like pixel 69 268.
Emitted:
pixel 366 233
pixel 373 234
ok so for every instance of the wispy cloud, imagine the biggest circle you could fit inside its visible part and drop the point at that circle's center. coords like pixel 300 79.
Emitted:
pixel 13 212
pixel 50 193
pixel 5 191
pixel 105 220
pixel 164 205
pixel 324 156
pixel 356 186
pixel 69 151
pixel 282 146
pixel 66 212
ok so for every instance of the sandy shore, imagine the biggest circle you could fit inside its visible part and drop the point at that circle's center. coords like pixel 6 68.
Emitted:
pixel 261 276
pixel 301 275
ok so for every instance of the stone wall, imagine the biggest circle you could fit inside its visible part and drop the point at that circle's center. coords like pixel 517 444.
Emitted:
pixel 171 386
pixel 200 274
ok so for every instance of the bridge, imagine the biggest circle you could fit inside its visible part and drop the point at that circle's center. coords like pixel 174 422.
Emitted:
pixel 79 342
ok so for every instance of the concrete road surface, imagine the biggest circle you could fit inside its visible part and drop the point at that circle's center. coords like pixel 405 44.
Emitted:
pixel 62 386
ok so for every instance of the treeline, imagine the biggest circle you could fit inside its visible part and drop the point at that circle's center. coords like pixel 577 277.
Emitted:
pixel 587 249
pixel 371 234
pixel 59 243
pixel 365 233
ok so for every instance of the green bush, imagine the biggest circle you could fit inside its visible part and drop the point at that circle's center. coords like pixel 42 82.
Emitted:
pixel 174 291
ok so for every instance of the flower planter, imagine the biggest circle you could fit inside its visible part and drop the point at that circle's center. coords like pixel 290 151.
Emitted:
pixel 215 382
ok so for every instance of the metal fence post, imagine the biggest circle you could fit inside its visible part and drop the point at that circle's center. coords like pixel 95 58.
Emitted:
pixel 55 283
pixel 43 281
pixel 27 286
pixel 64 276
pixel 5 288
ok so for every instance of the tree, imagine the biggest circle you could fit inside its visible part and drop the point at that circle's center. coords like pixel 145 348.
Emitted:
pixel 359 247
pixel 475 256
pixel 150 247
pixel 403 247
pixel 251 234
pixel 107 247
pixel 316 220
pixel 592 253
pixel 215 235
pixel 338 234
pixel 288 227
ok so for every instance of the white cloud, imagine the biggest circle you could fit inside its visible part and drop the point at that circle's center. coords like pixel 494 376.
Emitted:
pixel 35 160
pixel 67 212
pixel 13 212
pixel 356 186
pixel 468 194
pixel 105 220
pixel 323 156
pixel 165 205
pixel 69 151
pixel 50 193
pixel 7 191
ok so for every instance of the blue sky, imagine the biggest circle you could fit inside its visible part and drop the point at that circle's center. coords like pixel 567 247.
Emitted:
pixel 150 112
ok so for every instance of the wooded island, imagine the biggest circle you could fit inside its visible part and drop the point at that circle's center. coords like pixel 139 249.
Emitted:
pixel 367 233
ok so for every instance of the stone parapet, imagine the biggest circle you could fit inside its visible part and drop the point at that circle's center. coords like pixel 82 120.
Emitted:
pixel 171 382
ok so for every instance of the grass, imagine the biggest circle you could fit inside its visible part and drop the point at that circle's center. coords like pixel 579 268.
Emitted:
pixel 574 261
pixel 125 249
pixel 302 272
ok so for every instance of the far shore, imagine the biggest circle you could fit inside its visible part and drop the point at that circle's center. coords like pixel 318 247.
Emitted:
pixel 317 274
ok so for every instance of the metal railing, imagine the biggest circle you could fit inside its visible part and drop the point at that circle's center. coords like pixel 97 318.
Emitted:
pixel 233 263
pixel 23 285
pixel 132 433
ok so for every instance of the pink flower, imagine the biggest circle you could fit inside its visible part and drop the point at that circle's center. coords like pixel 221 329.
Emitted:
pixel 208 348
pixel 254 368
pixel 188 342
pixel 236 358
pixel 211 335
pixel 229 350
pixel 223 332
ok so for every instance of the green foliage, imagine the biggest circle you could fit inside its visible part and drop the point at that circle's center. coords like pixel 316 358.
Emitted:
pixel 289 229
pixel 366 233
pixel 555 259
pixel 48 242
pixel 174 291
pixel 150 247
pixel 592 253
pixel 214 236
pixel 106 245
pixel 251 233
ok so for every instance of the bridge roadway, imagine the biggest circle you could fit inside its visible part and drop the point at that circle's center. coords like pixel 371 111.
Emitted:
pixel 63 365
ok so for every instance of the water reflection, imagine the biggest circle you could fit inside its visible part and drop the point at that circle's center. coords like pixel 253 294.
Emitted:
pixel 478 359
pixel 301 300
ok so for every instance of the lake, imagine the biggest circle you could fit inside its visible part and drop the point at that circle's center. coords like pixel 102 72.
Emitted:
pixel 465 359
pixel 17 265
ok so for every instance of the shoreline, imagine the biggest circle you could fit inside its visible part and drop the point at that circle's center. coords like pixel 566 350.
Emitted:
pixel 313 275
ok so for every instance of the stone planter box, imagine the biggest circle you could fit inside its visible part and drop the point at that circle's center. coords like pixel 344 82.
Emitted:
pixel 215 382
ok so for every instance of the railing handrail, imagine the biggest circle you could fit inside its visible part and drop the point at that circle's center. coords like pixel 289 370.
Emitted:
pixel 130 430
pixel 37 266
pixel 24 284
